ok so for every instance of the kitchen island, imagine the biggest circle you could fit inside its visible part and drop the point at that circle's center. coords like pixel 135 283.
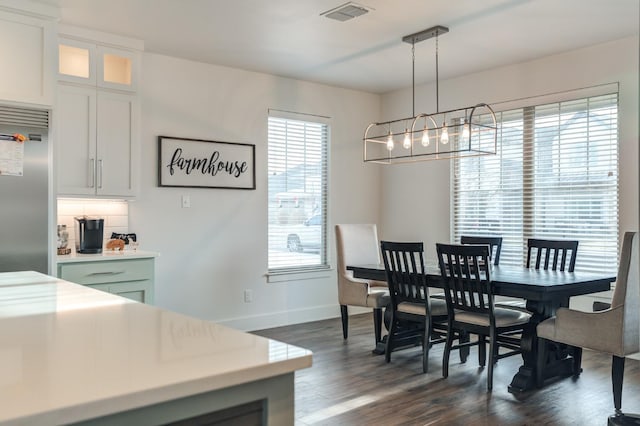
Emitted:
pixel 72 354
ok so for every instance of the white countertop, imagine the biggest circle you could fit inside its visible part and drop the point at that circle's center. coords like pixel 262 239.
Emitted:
pixel 70 353
pixel 106 255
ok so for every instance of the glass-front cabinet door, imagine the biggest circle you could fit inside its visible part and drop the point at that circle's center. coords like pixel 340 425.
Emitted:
pixel 96 65
pixel 117 69
pixel 77 62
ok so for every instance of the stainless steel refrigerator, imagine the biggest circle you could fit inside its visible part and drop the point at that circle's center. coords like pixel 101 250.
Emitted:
pixel 24 200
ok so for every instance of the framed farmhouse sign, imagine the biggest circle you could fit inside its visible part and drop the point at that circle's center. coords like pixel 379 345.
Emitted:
pixel 201 163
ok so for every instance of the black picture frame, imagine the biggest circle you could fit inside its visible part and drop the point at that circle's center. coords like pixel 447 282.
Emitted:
pixel 201 163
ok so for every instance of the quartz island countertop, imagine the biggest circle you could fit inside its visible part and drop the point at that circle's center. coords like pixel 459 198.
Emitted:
pixel 69 353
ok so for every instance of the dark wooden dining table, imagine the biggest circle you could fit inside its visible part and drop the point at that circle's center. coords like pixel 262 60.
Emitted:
pixel 544 291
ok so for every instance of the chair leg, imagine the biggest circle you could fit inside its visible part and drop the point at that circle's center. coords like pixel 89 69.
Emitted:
pixel 617 373
pixel 377 323
pixel 482 350
pixel 426 344
pixel 493 349
pixel 447 351
pixel 464 351
pixel 541 361
pixel 390 336
pixel 577 361
pixel 345 321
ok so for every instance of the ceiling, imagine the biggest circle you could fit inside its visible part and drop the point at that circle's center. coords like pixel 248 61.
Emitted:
pixel 290 38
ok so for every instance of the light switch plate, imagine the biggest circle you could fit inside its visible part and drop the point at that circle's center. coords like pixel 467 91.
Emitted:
pixel 186 201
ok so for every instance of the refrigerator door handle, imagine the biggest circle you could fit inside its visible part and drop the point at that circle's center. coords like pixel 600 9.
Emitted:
pixel 92 172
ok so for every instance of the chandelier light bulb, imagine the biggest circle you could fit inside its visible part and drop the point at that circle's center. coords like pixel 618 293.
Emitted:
pixel 444 138
pixel 406 143
pixel 425 136
pixel 465 129
pixel 390 142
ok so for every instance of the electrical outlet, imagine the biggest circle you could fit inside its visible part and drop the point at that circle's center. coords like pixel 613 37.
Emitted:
pixel 248 296
pixel 186 201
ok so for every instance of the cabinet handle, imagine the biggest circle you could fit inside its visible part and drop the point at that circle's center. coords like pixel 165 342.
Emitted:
pixel 107 273
pixel 100 173
pixel 92 172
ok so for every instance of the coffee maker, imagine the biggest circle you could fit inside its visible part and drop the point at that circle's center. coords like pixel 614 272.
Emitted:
pixel 89 232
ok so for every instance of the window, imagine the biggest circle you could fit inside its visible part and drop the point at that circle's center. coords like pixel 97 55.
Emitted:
pixel 555 176
pixel 297 194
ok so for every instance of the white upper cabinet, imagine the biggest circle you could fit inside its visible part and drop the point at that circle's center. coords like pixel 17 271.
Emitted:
pixel 99 148
pixel 76 131
pixel 94 64
pixel 116 144
pixel 27 49
pixel 98 130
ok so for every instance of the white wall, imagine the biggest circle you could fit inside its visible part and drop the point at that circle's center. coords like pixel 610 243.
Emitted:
pixel 415 197
pixel 213 251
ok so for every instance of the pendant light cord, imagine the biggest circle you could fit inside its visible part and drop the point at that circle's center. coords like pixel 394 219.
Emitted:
pixel 437 79
pixel 413 78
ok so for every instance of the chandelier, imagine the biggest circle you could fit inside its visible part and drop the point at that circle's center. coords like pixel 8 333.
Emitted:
pixel 463 132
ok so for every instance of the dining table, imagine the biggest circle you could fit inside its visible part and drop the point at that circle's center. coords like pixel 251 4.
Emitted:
pixel 544 291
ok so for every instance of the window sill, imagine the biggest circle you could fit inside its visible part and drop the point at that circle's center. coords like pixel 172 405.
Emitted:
pixel 278 277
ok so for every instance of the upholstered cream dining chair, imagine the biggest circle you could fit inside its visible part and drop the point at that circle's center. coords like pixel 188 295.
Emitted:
pixel 615 331
pixel 357 244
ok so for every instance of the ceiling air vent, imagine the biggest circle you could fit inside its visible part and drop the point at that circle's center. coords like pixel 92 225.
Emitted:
pixel 345 12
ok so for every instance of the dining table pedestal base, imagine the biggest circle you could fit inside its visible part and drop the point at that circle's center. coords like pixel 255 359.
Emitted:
pixel 624 420
pixel 559 362
pixel 525 378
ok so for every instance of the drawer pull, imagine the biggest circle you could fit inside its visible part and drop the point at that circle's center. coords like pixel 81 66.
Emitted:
pixel 107 273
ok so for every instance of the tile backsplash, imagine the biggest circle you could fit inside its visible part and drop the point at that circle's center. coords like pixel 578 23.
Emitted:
pixel 114 212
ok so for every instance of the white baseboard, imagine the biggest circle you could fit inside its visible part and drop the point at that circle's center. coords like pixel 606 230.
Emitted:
pixel 278 319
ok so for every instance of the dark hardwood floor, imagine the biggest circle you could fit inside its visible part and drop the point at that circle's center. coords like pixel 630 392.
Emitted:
pixel 347 385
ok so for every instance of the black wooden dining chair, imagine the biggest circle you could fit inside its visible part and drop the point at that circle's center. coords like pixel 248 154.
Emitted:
pixel 552 254
pixel 466 273
pixel 495 246
pixel 414 315
pixel 494 243
pixel 546 254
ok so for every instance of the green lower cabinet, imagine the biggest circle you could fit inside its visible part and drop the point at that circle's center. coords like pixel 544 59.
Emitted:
pixel 130 278
pixel 140 291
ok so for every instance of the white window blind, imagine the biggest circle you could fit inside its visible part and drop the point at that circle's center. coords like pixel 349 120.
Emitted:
pixel 555 176
pixel 297 167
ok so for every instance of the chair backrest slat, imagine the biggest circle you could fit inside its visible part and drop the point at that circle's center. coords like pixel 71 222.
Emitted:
pixel 564 254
